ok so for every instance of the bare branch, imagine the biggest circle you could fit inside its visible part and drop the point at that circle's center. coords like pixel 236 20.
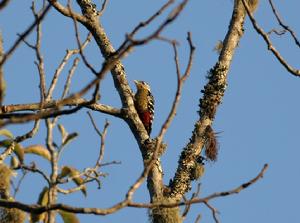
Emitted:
pixel 70 75
pixel 34 169
pixel 97 211
pixel 65 11
pixel 52 193
pixel 24 35
pixel 37 47
pixel 130 42
pixel 26 117
pixel 180 82
pixel 61 66
pixel 213 210
pixel 198 218
pixel 277 32
pixel 266 38
pixel 55 105
pixel 102 138
pixel 70 191
pixel 18 186
pixel 87 64
pixel 7 152
pixel 188 206
pixel 212 96
pixel 103 7
pixel 293 34
pixel 2 81
pixel 29 134
pixel 3 4
pixel 151 18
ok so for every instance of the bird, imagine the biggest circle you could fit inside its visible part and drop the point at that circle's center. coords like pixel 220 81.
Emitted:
pixel 144 104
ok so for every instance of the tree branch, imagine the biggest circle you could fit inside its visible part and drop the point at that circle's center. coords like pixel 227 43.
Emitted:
pixel 212 96
pixel 54 105
pixel 285 27
pixel 24 35
pixel 3 4
pixel 37 209
pixel 266 38
pixel 65 11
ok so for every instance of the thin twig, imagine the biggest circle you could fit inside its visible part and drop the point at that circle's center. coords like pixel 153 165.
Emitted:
pixel 66 12
pixel 34 169
pixel 70 75
pixel 52 193
pixel 213 210
pixel 277 32
pixel 152 18
pixel 198 218
pixel 29 134
pixel 24 35
pixel 23 118
pixel 61 66
pixel 7 152
pixel 106 67
pixel 70 191
pixel 102 136
pixel 188 206
pixel 53 105
pixel 111 62
pixel 293 34
pixel 67 84
pixel 126 203
pixel 110 163
pixel 3 4
pixel 265 36
pixel 130 42
pixel 87 64
pixel 18 186
pixel 103 7
pixel 2 81
pixel 180 82
pixel 37 47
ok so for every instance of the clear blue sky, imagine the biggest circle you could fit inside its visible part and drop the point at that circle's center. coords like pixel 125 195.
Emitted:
pixel 258 120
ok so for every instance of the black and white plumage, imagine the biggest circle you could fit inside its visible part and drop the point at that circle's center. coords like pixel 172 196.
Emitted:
pixel 144 104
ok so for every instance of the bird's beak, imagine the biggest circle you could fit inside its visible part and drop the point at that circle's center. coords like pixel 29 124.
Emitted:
pixel 136 82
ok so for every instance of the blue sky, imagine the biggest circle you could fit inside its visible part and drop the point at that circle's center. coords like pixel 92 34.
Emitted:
pixel 258 120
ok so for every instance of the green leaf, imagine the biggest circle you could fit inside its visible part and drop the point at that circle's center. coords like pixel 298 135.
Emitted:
pixel 43 197
pixel 7 133
pixel 65 171
pixel 68 171
pixel 70 138
pixel 68 217
pixel 18 149
pixel 43 200
pixel 14 162
pixel 63 132
pixel 39 150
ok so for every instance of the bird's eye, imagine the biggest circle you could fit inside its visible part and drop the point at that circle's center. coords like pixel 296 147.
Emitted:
pixel 143 82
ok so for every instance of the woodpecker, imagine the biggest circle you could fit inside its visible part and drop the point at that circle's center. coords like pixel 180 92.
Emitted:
pixel 144 104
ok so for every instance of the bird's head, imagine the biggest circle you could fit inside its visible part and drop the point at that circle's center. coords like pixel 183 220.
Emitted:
pixel 142 85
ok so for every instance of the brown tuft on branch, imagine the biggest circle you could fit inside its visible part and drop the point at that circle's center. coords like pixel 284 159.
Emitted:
pixel 211 144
